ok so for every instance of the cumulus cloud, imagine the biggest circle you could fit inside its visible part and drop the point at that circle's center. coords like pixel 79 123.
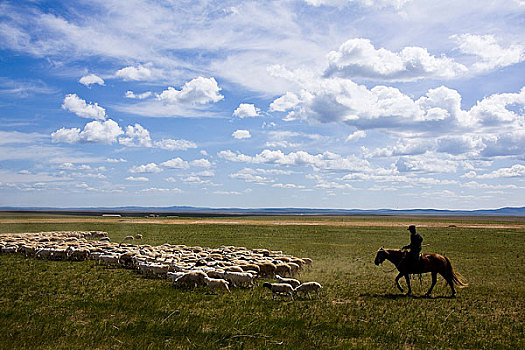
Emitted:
pixel 105 132
pixel 157 189
pixel 176 163
pixel 285 102
pixel 517 170
pixel 132 95
pixel 175 145
pixel 201 163
pixel 145 168
pixel 358 58
pixel 490 54
pixel 197 91
pixel 137 136
pixel 356 136
pixel 241 134
pixel 139 72
pixel 116 160
pixel 323 161
pixel 91 79
pixel 246 110
pixel 137 179
pixel 75 104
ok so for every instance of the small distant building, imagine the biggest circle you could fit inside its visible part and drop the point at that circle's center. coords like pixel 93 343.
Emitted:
pixel 112 215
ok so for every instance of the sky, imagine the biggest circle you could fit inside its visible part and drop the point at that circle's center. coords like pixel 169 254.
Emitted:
pixel 359 104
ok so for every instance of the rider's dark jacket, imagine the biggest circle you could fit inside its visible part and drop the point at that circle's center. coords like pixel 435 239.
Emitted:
pixel 415 244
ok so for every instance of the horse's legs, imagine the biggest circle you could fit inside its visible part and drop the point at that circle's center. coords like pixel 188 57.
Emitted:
pixel 434 278
pixel 397 282
pixel 407 278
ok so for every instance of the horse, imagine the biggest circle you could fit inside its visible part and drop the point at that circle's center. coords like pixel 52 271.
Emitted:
pixel 433 263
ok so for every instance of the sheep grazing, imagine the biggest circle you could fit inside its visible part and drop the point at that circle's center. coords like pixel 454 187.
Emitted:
pixel 267 269
pixel 216 283
pixel 307 288
pixel 279 289
pixel 138 236
pixel 190 279
pixel 293 282
pixel 242 279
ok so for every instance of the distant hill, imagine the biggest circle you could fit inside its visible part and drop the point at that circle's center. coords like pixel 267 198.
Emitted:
pixel 201 211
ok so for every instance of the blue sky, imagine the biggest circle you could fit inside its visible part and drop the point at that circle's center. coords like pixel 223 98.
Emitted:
pixel 299 103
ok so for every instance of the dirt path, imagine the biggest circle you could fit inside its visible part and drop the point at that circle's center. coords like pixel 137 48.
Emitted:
pixel 450 222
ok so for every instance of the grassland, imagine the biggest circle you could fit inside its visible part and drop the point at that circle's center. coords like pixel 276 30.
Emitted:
pixel 79 305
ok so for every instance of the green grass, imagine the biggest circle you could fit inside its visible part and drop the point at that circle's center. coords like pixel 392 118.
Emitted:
pixel 79 305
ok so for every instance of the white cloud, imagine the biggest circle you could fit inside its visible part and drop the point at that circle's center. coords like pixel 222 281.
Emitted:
pixel 146 168
pixel 202 163
pixel 175 145
pixel 288 186
pixel 491 55
pixel 14 137
pixel 285 102
pixel 75 104
pixel 517 170
pixel 116 160
pixel 91 79
pixel 248 176
pixel 176 163
pixel 137 179
pixel 137 136
pixel 356 136
pixel 241 134
pixel 132 95
pixel 358 58
pixel 426 164
pixel 157 189
pixel 105 132
pixel 197 91
pixel 196 180
pixel 246 110
pixel 379 4
pixel 323 161
pixel 139 72
pixel 205 173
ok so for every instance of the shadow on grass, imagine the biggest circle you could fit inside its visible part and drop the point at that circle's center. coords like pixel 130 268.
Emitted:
pixel 403 296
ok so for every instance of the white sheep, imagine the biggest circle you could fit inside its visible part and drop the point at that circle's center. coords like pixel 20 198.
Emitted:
pixel 216 283
pixel 279 288
pixel 239 278
pixel 190 279
pixel 291 281
pixel 309 287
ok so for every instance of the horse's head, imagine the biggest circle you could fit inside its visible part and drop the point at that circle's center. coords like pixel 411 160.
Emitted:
pixel 380 256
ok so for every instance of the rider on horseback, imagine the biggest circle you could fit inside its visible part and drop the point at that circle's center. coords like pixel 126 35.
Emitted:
pixel 415 248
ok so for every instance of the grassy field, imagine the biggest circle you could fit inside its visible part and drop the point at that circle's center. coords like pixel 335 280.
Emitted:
pixel 79 305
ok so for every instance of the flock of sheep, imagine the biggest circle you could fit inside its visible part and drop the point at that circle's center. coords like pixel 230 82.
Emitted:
pixel 186 267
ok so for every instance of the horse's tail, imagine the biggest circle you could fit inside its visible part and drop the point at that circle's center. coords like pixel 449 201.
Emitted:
pixel 455 277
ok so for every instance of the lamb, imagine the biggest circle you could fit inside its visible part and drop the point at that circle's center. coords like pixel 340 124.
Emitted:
pixel 279 288
pixel 138 236
pixel 308 287
pixel 293 282
pixel 216 283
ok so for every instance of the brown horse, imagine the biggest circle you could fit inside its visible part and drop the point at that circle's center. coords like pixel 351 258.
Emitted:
pixel 433 263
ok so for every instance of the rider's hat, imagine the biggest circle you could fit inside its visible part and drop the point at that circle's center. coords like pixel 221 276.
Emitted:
pixel 411 228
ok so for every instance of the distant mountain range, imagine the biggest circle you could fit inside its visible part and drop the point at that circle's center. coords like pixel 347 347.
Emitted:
pixel 200 211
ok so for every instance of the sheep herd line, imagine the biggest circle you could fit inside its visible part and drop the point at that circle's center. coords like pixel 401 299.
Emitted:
pixel 186 267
